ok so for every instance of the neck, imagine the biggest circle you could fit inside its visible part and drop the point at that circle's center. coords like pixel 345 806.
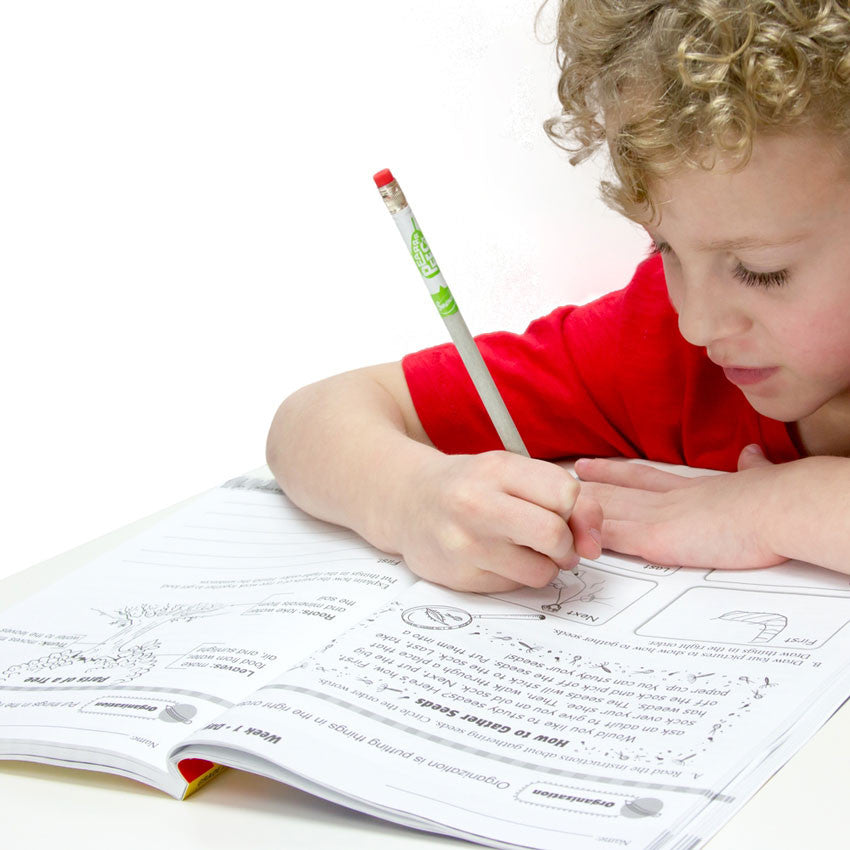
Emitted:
pixel 827 430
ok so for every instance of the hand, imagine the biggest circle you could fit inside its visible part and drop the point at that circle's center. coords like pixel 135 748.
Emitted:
pixel 495 521
pixel 710 521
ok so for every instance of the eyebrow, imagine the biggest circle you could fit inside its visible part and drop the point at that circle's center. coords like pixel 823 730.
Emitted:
pixel 744 242
pixel 748 242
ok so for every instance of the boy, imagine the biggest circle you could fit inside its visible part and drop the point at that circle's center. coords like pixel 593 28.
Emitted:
pixel 728 127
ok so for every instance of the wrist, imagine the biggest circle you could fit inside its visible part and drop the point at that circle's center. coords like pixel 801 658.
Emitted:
pixel 397 478
pixel 798 511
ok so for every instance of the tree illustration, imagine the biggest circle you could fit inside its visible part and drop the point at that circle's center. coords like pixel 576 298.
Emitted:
pixel 123 653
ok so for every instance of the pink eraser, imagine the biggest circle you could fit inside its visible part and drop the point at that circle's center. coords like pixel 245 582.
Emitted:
pixel 383 177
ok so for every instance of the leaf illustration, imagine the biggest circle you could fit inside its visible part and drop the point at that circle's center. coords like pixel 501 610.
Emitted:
pixel 442 617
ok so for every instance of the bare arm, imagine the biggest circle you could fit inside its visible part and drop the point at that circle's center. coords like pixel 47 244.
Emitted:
pixel 351 450
pixel 756 517
pixel 809 515
pixel 331 446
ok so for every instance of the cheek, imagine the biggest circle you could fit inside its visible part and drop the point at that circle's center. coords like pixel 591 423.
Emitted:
pixel 674 284
pixel 816 343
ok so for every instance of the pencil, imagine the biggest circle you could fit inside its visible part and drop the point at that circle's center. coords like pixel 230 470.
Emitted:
pixel 447 307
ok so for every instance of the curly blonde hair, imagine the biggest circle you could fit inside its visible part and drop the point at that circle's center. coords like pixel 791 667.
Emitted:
pixel 672 84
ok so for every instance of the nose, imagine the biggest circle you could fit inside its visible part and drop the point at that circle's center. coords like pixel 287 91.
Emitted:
pixel 708 312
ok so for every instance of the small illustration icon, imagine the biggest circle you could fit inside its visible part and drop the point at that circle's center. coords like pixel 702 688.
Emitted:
pixel 642 807
pixel 449 617
pixel 574 586
pixel 769 624
pixel 180 713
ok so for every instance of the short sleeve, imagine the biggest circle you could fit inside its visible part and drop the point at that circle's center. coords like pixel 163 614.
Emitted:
pixel 609 378
pixel 559 380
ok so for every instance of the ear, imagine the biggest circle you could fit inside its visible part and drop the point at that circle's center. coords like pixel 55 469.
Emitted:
pixel 752 457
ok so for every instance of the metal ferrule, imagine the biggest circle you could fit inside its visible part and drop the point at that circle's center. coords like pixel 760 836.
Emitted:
pixel 393 197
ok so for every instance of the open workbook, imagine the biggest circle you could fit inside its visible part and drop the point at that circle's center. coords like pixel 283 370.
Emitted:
pixel 624 704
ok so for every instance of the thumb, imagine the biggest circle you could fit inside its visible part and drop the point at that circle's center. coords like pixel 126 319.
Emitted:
pixel 752 457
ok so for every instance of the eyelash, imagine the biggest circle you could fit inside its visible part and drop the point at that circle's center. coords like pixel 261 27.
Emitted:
pixel 745 275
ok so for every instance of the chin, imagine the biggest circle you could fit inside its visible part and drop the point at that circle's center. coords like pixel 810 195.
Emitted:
pixel 781 409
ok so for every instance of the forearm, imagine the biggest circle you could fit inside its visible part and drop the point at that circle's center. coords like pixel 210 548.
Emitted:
pixel 341 451
pixel 808 516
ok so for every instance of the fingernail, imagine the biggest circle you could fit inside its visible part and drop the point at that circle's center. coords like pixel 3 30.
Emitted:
pixel 596 534
pixel 754 449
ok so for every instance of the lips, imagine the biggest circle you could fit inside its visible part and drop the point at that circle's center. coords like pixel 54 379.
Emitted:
pixel 745 377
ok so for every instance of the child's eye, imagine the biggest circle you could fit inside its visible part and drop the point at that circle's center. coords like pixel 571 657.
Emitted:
pixel 745 275
pixel 765 279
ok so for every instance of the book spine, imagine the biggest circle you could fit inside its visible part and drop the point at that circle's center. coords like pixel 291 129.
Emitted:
pixel 197 772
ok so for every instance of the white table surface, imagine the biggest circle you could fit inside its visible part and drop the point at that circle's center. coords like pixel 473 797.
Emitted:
pixel 804 806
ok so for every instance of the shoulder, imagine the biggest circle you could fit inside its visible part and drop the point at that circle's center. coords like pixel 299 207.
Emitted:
pixel 634 328
pixel 641 311
pixel 642 305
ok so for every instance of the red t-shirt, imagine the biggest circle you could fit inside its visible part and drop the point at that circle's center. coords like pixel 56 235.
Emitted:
pixel 610 378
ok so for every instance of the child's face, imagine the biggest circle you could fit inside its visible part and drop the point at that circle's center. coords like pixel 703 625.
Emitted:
pixel 758 269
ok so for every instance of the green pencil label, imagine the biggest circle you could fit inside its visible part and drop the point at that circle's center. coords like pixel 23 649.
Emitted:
pixel 444 301
pixel 421 253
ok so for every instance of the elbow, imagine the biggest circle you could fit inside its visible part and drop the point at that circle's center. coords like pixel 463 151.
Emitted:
pixel 275 439
pixel 290 429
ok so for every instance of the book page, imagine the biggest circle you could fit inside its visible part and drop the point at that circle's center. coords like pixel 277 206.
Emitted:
pixel 624 703
pixel 129 653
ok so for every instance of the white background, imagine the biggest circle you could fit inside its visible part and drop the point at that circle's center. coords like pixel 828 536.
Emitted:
pixel 189 230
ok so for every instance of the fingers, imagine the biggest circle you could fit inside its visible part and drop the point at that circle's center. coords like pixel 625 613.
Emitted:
pixel 586 525
pixel 523 565
pixel 465 577
pixel 567 528
pixel 489 566
pixel 508 521
pixel 632 538
pixel 635 475
pixel 480 581
pixel 544 483
pixel 538 542
pixel 554 489
pixel 526 524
